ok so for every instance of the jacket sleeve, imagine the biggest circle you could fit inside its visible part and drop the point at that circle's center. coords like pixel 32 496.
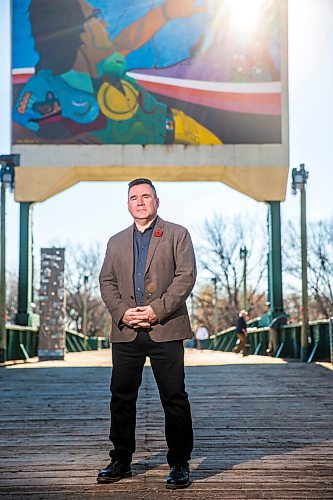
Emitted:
pixel 109 288
pixel 183 281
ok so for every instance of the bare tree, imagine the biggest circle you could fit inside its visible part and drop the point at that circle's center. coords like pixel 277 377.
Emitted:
pixel 203 311
pixel 320 265
pixel 85 310
pixel 219 258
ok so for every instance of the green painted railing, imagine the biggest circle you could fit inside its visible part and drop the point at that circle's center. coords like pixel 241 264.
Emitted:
pixel 22 342
pixel 76 342
pixel 320 340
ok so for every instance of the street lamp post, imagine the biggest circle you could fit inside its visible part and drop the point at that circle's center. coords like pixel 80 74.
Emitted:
pixel 7 180
pixel 299 179
pixel 243 256
pixel 215 313
pixel 192 308
pixel 85 306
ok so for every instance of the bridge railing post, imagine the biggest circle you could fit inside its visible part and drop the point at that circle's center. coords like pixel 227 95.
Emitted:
pixel 330 330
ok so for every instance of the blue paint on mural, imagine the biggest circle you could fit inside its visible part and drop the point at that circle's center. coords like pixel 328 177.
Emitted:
pixel 169 46
pixel 143 72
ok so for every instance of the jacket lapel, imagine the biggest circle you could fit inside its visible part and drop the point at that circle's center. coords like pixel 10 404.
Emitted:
pixel 154 241
pixel 127 252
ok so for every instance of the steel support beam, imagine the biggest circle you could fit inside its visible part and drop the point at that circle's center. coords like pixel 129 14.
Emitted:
pixel 274 258
pixel 25 315
pixel 3 333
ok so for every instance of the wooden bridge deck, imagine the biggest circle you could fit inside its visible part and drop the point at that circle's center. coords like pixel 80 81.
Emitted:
pixel 263 430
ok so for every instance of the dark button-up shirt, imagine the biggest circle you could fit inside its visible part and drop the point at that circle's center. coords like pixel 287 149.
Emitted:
pixel 141 243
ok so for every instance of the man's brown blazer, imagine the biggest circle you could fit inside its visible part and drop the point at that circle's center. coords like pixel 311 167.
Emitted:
pixel 169 278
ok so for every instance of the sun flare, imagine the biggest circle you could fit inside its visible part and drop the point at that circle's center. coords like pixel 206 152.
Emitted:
pixel 244 16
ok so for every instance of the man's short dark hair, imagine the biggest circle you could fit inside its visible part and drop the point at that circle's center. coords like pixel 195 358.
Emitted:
pixel 142 180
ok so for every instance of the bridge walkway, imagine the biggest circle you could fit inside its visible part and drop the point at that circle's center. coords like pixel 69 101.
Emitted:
pixel 263 430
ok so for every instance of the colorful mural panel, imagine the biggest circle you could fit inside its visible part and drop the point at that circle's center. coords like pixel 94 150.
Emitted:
pixel 147 72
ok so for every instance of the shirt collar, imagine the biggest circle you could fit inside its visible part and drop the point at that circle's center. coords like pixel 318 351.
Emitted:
pixel 150 228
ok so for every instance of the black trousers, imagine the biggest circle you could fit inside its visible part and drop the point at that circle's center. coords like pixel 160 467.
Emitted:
pixel 167 362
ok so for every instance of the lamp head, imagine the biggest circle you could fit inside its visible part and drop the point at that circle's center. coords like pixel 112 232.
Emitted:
pixel 243 252
pixel 299 178
pixel 7 170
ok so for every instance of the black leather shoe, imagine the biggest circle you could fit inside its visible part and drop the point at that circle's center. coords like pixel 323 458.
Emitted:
pixel 114 472
pixel 179 477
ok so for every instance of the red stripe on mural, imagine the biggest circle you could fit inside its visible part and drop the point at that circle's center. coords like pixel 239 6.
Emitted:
pixel 21 78
pixel 268 104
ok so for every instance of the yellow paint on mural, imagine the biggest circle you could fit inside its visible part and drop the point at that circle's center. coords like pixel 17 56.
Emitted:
pixel 189 131
pixel 118 105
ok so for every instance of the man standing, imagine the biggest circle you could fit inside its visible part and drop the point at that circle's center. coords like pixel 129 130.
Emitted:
pixel 273 333
pixel 148 273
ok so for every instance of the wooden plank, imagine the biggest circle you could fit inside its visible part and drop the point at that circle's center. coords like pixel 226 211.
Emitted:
pixel 262 430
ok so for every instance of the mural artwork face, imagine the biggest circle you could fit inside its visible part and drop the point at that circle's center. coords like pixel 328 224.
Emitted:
pixel 96 43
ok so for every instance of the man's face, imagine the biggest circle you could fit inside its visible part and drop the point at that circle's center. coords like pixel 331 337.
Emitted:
pixel 95 38
pixel 142 203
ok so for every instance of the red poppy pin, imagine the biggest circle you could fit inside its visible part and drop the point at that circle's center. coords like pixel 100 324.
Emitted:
pixel 158 233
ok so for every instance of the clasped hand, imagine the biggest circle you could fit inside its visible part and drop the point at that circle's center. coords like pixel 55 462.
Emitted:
pixel 139 317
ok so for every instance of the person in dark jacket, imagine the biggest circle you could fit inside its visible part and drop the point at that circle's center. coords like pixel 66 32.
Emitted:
pixel 241 331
